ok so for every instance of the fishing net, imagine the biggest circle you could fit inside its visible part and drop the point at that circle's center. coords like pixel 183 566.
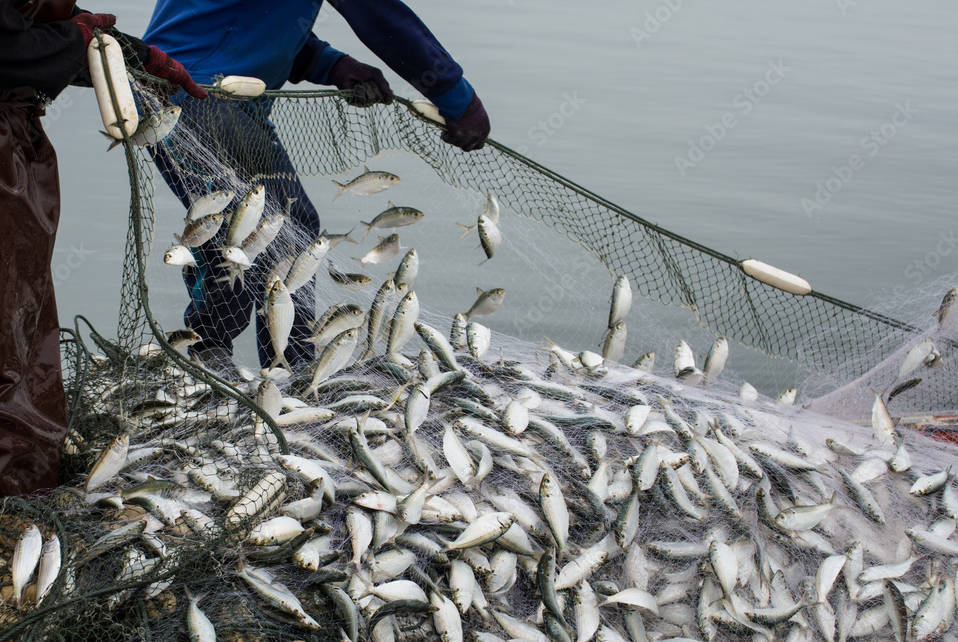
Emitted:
pixel 479 486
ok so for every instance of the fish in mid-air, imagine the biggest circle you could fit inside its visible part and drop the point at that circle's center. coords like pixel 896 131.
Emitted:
pixel 369 182
pixel 392 217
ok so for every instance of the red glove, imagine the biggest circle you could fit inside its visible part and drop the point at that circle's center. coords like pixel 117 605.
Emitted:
pixel 162 66
pixel 87 22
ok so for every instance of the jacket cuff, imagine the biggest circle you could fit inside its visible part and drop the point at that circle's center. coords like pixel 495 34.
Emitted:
pixel 314 62
pixel 452 103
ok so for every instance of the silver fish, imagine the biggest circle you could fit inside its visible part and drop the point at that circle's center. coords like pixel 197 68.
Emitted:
pixel 334 357
pixel 486 302
pixel 369 182
pixel 200 627
pixel 267 231
pixel 403 323
pixel 613 344
pixel 377 310
pixel 246 218
pixel 387 248
pixel 348 280
pixel 25 558
pixel 715 361
pixel 179 255
pixel 280 313
pixel 946 314
pixel 394 216
pixel 212 203
pixel 153 129
pixel 199 232
pixel 621 300
pixel 49 569
pixel 490 237
pixel 306 264
pixel 407 271
pixel 339 319
pixel 110 462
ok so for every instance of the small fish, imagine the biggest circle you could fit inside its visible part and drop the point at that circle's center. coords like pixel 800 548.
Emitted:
pixel 336 239
pixel 715 361
pixel 613 344
pixel 921 353
pixel 340 319
pixel 153 129
pixel 930 483
pixel 788 396
pixel 212 203
pixel 407 271
pixel 490 236
pixel 458 330
pixel 403 323
pixel 554 510
pixel 25 557
pixel 199 232
pixel 199 626
pixel 180 339
pixel 246 217
pixel 684 366
pixel 179 255
pixel 621 300
pixel 645 363
pixel 306 264
pixel 369 182
pixel 236 256
pixel 392 217
pixel 110 462
pixel 387 248
pixel 280 313
pixel 803 518
pixel 348 280
pixel 492 207
pixel 946 313
pixel 267 231
pixel 487 302
pixel 882 423
pixel 377 310
pixel 902 387
pixel 334 357
pixel 478 338
pixel 49 569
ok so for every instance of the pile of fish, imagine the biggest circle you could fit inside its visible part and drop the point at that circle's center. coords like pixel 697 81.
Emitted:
pixel 448 494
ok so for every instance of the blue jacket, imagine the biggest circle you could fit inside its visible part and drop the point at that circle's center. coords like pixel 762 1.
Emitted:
pixel 273 40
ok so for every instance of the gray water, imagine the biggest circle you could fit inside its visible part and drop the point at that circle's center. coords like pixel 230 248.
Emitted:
pixel 817 136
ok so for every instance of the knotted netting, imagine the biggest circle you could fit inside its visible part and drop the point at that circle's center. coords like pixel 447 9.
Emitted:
pixel 476 487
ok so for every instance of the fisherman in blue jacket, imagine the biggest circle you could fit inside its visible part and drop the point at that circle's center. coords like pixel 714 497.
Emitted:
pixel 274 41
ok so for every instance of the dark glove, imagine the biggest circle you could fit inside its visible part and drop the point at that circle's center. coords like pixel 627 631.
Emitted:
pixel 471 131
pixel 368 84
pixel 162 66
pixel 87 22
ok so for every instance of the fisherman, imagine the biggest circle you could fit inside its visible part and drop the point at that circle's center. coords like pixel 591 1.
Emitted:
pixel 274 41
pixel 43 47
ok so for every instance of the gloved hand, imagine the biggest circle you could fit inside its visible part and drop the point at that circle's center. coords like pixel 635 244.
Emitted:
pixel 471 130
pixel 87 22
pixel 368 84
pixel 162 66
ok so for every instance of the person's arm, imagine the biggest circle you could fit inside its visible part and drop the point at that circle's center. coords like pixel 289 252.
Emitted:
pixel 400 39
pixel 43 56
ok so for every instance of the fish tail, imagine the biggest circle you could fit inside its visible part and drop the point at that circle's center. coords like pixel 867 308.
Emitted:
pixel 349 238
pixel 468 229
pixel 369 228
pixel 342 189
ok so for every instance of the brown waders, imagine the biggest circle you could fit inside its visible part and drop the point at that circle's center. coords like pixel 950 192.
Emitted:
pixel 32 400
